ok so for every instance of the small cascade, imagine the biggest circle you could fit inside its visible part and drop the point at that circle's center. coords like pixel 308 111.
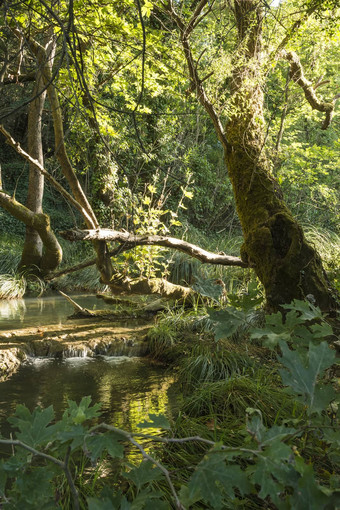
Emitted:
pixel 77 352
pixel 64 348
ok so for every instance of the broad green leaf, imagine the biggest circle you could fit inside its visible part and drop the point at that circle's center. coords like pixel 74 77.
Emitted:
pixel 321 330
pixel 256 428
pixel 150 500
pixel 157 421
pixel 275 433
pixel 266 436
pixel 79 413
pixel 34 487
pixel 105 442
pixel 107 500
pixel 303 379
pixel 146 472
pixel 271 339
pixel 323 396
pixel 35 429
pixel 227 322
pixel 273 471
pixel 307 493
pixel 208 288
pixel 100 504
pixel 189 496
pixel 332 436
pixel 214 479
pixel 305 308
pixel 73 434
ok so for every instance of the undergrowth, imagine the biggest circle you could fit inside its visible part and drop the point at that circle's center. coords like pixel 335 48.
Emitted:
pixel 253 431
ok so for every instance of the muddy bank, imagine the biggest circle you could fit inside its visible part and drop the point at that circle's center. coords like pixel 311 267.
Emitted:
pixel 73 339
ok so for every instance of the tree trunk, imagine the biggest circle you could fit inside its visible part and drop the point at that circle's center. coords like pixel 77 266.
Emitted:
pixel 274 243
pixel 34 254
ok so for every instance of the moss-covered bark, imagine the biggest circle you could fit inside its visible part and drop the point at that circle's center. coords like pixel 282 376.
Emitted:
pixel 40 223
pixel 274 243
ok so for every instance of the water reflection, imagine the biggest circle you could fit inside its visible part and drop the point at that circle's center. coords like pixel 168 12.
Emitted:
pixel 128 388
pixel 12 309
pixel 22 313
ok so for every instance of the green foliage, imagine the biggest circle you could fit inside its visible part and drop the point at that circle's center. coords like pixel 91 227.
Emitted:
pixel 304 379
pixel 270 459
pixel 301 324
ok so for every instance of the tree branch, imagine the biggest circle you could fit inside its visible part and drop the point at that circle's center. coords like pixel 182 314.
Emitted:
pixel 54 460
pixel 17 147
pixel 130 241
pixel 20 78
pixel 196 82
pixel 297 75
pixel 41 223
pixel 87 263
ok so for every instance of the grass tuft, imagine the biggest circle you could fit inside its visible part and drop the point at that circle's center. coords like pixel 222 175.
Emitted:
pixel 208 363
pixel 233 396
pixel 12 286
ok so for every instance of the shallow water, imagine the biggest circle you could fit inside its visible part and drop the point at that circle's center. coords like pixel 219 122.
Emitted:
pixel 23 313
pixel 127 388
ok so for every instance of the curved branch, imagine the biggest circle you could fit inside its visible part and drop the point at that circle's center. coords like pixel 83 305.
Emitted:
pixel 131 240
pixel 41 223
pixel 297 75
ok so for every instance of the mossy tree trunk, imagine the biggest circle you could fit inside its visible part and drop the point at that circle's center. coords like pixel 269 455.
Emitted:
pixel 274 243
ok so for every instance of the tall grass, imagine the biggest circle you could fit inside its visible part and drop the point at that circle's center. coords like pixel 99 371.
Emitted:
pixel 10 253
pixel 207 362
pixel 12 286
pixel 257 389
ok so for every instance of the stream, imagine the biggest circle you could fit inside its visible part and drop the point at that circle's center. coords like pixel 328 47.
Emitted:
pixel 42 311
pixel 128 388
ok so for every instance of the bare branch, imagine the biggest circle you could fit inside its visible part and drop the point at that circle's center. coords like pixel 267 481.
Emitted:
pixel 87 263
pixel 319 83
pixel 19 78
pixel 131 240
pixel 297 75
pixel 196 82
